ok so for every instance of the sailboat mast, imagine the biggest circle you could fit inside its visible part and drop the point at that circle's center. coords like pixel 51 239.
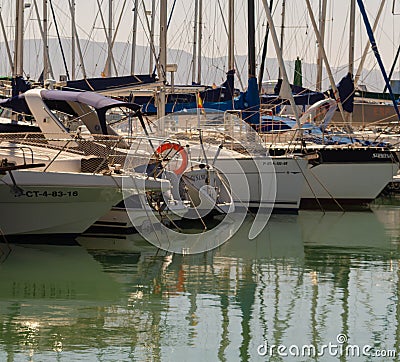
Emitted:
pixel 153 14
pixel 352 29
pixel 251 41
pixel 252 97
pixel 45 42
pixel 351 48
pixel 231 36
pixel 73 74
pixel 264 52
pixel 133 57
pixel 76 37
pixel 282 30
pixel 194 55
pixel 230 75
pixel 286 90
pixel 46 58
pixel 59 39
pixel 163 40
pixel 110 14
pixel 19 43
pixel 325 58
pixel 231 57
pixel 107 68
pixel 200 24
pixel 162 59
pixel 153 53
pixel 322 21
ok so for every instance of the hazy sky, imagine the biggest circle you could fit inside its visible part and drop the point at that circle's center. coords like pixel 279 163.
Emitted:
pixel 299 35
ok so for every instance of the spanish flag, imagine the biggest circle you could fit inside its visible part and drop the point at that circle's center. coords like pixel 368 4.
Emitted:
pixel 200 103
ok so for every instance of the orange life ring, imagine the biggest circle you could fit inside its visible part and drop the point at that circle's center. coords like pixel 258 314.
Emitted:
pixel 166 146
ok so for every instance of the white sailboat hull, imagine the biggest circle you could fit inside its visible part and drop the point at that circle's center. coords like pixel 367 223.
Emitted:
pixel 54 202
pixel 123 220
pixel 347 176
pixel 288 172
pixel 347 183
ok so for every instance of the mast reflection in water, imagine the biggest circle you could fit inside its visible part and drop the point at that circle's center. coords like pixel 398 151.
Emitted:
pixel 304 280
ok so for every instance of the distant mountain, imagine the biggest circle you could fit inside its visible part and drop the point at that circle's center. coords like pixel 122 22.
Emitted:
pixel 213 69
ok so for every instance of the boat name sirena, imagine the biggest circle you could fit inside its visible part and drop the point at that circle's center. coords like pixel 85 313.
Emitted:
pixel 381 155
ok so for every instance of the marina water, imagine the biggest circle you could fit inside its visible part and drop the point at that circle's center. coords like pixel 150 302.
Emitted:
pixel 312 286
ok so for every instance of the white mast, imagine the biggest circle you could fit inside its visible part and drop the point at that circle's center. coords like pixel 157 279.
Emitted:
pixel 351 41
pixel 110 14
pixel 282 31
pixel 135 17
pixel 351 48
pixel 163 40
pixel 231 42
pixel 19 40
pixel 194 56
pixel 325 58
pixel 45 44
pixel 286 91
pixel 110 58
pixel 47 68
pixel 153 15
pixel 151 32
pixel 73 39
pixel 163 58
pixel 78 45
pixel 199 41
pixel 322 20
pixel 231 36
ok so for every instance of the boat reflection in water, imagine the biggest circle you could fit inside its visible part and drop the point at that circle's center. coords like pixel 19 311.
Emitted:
pixel 46 292
pixel 303 280
pixel 358 232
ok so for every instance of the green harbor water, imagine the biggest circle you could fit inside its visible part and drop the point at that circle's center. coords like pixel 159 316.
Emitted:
pixel 311 287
